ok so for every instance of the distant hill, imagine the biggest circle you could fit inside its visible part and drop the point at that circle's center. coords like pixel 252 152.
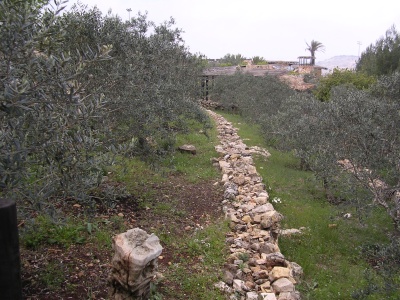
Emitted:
pixel 341 62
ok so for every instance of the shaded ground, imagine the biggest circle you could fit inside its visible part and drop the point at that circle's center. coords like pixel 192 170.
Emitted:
pixel 80 271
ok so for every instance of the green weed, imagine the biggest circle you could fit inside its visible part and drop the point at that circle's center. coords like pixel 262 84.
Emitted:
pixel 205 252
pixel 44 230
pixel 52 276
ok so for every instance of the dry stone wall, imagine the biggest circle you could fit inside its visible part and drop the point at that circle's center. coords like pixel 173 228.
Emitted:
pixel 255 268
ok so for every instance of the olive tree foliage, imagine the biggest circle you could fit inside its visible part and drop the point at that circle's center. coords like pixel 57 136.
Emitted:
pixel 151 82
pixel 387 87
pixel 254 97
pixel 352 143
pixel 79 88
pixel 47 129
pixel 383 57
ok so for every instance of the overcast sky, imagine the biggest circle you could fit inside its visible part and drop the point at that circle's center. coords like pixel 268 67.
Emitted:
pixel 275 30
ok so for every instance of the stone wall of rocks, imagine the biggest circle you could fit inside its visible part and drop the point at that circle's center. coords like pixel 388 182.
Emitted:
pixel 255 269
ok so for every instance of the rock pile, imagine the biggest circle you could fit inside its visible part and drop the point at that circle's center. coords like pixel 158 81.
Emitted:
pixel 255 269
pixel 134 264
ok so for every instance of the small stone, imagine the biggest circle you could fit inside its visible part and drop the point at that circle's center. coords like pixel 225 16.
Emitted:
pixel 261 200
pixel 222 286
pixel 246 270
pixel 266 285
pixel 246 207
pixel 296 271
pixel 289 296
pixel 279 272
pixel 239 180
pixel 268 248
pixel 251 170
pixel 275 259
pixel 261 261
pixel 262 274
pixel 246 219
pixel 255 269
pixel 270 218
pixel 263 208
pixel 290 231
pixel 77 205
pixel 251 296
pixel 228 277
pixel 257 218
pixel 121 215
pixel 238 285
pixel 188 149
pixel 232 217
pixel 225 178
pixel 267 296
pixel 255 246
pixel 235 156
pixel 282 285
pixel 224 165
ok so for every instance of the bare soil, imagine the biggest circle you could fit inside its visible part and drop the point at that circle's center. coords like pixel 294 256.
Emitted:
pixel 81 270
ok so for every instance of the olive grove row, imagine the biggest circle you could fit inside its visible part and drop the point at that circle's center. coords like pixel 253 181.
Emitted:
pixel 351 142
pixel 79 88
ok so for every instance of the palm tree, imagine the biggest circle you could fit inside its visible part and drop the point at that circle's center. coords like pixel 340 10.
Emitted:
pixel 313 47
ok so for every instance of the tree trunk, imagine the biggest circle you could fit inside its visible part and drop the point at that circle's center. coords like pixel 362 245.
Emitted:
pixel 10 269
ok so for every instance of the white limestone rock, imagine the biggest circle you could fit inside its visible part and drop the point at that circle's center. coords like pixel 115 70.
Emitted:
pixel 282 285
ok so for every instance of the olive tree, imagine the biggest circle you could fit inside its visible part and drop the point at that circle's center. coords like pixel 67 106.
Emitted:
pixel 151 83
pixel 79 88
pixel 254 97
pixel 351 142
pixel 48 129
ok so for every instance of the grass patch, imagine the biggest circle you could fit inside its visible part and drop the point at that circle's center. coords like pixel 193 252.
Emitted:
pixel 329 254
pixel 197 167
pixel 53 276
pixel 199 267
pixel 44 230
